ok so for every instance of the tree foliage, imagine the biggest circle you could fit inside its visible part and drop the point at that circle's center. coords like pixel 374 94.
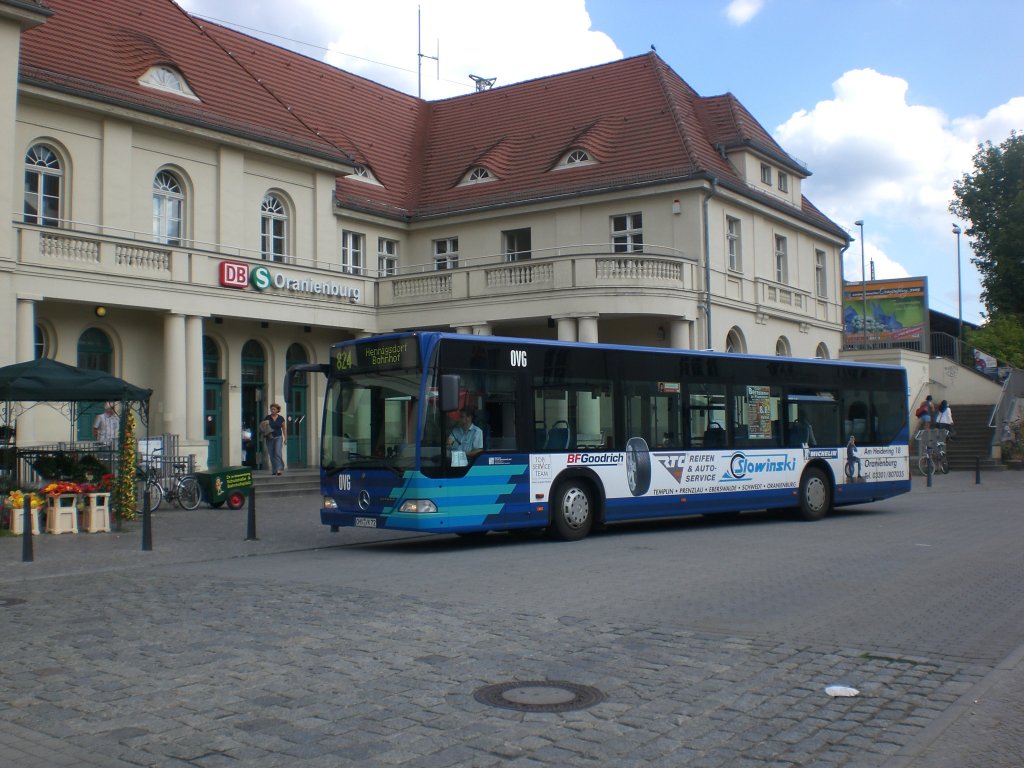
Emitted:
pixel 1003 337
pixel 992 200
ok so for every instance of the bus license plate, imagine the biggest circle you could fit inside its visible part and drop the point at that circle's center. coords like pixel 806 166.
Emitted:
pixel 366 522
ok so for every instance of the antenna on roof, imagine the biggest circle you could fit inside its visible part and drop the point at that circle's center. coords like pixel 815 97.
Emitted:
pixel 483 83
pixel 421 55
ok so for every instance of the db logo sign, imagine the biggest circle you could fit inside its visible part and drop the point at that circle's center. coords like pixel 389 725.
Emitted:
pixel 234 274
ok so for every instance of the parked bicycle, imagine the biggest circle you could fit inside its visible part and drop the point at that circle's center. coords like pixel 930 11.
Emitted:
pixel 182 488
pixel 933 449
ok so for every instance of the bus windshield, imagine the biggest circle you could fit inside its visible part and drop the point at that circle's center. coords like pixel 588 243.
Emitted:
pixel 370 421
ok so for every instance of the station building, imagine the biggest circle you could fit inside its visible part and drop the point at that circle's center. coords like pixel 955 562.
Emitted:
pixel 194 210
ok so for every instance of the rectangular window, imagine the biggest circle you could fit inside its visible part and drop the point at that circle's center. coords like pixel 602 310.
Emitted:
pixel 766 174
pixel 732 237
pixel 516 244
pixel 387 257
pixel 352 244
pixel 783 182
pixel 446 253
pixel 628 233
pixel 273 238
pixel 42 198
pixel 707 416
pixel 820 274
pixel 781 267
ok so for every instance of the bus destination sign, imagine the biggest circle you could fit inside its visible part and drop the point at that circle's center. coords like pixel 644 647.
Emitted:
pixel 384 355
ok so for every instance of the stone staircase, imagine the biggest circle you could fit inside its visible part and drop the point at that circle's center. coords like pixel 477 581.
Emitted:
pixel 973 438
pixel 294 482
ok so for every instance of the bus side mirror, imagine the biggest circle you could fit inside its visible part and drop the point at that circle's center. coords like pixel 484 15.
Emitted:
pixel 449 392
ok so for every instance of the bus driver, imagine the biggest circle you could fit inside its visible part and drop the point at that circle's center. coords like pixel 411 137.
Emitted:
pixel 465 438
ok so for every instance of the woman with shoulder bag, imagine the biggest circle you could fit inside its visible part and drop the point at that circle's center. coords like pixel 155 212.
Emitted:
pixel 274 431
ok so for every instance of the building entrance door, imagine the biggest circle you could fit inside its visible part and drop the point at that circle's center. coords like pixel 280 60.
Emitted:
pixel 297 435
pixel 253 406
pixel 212 421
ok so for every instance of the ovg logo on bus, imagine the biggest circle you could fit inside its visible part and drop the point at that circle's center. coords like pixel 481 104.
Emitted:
pixel 234 274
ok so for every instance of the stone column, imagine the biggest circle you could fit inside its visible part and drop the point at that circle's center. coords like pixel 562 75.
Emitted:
pixel 194 393
pixel 679 333
pixel 566 328
pixel 587 329
pixel 25 349
pixel 25 345
pixel 175 378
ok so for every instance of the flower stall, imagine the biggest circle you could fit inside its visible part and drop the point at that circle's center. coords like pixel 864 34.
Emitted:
pixel 80 479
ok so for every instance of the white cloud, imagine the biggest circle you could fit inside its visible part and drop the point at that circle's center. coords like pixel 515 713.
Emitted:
pixel 379 40
pixel 879 158
pixel 739 12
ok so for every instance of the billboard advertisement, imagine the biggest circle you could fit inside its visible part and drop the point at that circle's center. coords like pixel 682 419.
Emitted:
pixel 896 312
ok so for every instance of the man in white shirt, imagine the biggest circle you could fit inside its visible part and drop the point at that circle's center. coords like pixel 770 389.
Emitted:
pixel 107 426
pixel 466 437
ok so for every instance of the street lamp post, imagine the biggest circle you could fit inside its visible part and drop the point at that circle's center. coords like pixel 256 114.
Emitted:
pixel 863 283
pixel 959 290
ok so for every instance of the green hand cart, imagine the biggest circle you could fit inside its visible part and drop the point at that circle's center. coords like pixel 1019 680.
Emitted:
pixel 228 485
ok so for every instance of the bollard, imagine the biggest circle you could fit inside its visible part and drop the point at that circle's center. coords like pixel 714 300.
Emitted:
pixel 931 469
pixel 26 529
pixel 977 470
pixel 147 525
pixel 250 531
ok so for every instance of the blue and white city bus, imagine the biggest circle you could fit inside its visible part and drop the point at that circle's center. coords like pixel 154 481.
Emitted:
pixel 579 435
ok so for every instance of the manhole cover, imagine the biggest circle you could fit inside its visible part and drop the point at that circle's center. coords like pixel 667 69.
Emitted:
pixel 7 602
pixel 539 696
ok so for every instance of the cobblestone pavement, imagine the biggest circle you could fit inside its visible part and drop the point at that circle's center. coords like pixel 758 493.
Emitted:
pixel 214 651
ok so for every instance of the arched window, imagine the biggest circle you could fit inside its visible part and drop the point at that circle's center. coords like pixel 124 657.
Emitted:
pixel 168 208
pixel 574 158
pixel 44 181
pixel 95 353
pixel 734 342
pixel 296 355
pixel 166 79
pixel 211 359
pixel 363 173
pixel 273 228
pixel 478 174
pixel 42 342
pixel 782 348
pixel 822 352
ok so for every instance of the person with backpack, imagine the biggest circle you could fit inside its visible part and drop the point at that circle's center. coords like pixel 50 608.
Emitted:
pixel 944 420
pixel 924 413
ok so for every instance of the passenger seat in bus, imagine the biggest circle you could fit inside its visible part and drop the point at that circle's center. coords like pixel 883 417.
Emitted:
pixel 559 436
pixel 714 436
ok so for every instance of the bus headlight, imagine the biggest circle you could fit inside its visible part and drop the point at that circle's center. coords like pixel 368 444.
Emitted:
pixel 418 506
pixel 330 503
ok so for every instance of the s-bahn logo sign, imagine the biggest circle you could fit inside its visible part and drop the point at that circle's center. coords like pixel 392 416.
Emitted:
pixel 236 274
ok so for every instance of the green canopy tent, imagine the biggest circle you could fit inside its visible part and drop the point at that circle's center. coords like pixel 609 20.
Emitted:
pixel 47 381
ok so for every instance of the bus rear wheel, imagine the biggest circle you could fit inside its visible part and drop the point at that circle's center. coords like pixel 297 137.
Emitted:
pixel 573 510
pixel 815 495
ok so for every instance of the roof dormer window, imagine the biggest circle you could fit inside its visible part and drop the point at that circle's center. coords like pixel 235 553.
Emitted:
pixel 364 174
pixel 164 78
pixel 477 175
pixel 575 158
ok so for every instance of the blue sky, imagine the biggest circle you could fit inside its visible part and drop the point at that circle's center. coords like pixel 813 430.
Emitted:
pixel 884 101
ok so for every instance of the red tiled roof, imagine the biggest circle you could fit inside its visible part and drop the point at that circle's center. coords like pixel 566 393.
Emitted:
pixel 729 124
pixel 639 120
pixel 101 48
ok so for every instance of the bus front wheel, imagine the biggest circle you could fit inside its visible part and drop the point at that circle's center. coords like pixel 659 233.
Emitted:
pixel 573 511
pixel 815 495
